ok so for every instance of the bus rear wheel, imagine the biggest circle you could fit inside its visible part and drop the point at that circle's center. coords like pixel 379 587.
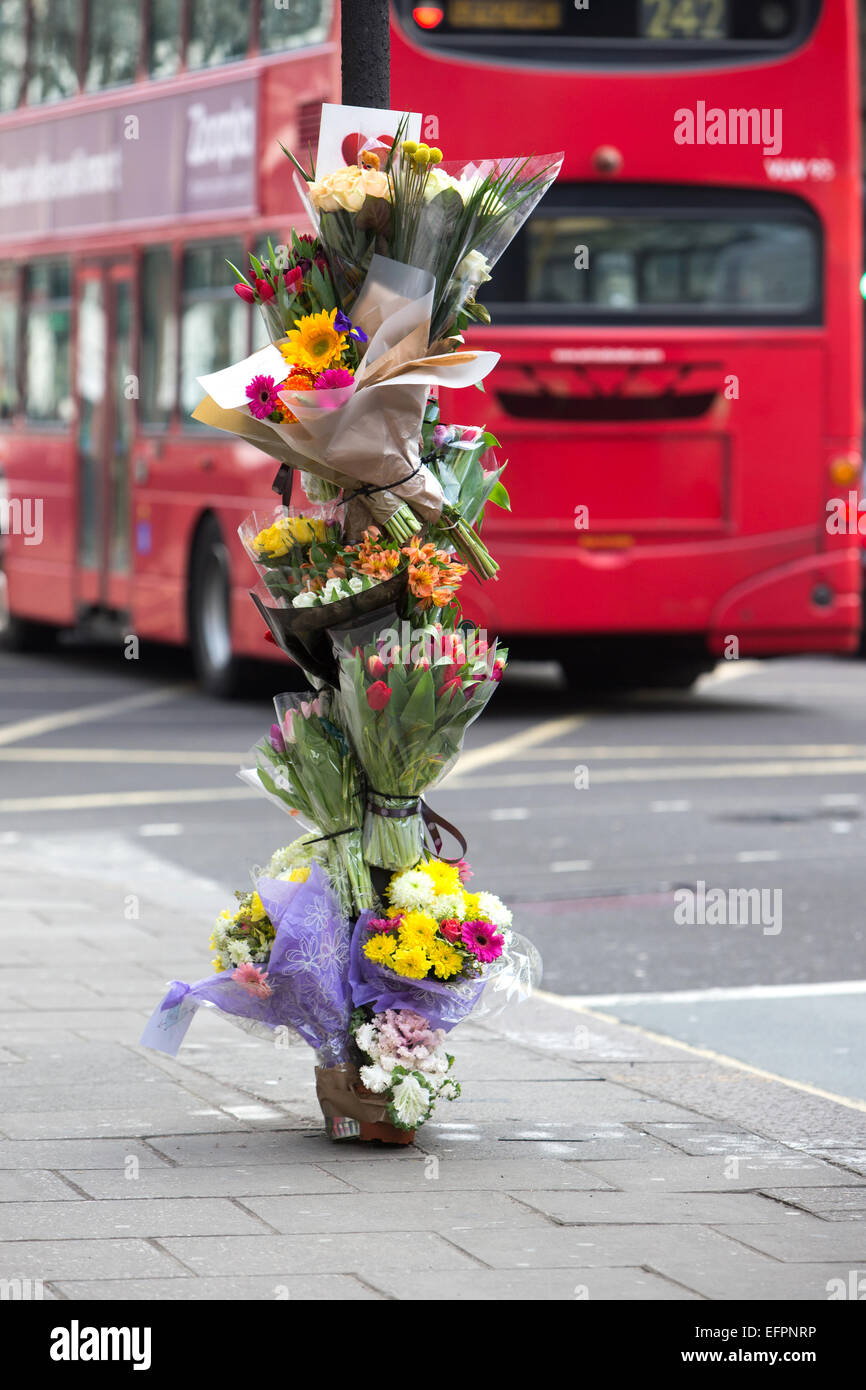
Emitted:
pixel 24 635
pixel 218 670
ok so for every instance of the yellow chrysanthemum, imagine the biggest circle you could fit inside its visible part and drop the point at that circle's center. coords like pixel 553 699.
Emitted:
pixel 288 531
pixel 411 961
pixel 444 877
pixel 256 909
pixel 299 875
pixel 315 343
pixel 472 907
pixel 380 948
pixel 217 964
pixel 444 959
pixel 416 929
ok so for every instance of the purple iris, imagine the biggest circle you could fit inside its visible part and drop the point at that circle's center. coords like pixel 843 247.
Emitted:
pixel 276 740
pixel 343 324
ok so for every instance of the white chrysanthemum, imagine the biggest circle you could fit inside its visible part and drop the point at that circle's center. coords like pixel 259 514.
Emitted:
pixel 238 952
pixel 365 1037
pixel 375 1078
pixel 450 906
pixel 411 1100
pixel 297 855
pixel 412 891
pixel 494 909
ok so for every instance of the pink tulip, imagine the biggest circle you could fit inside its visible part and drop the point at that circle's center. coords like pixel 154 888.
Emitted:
pixel 246 292
pixel 376 667
pixel 294 280
pixel 378 695
pixel 498 669
pixel 265 289
pixel 453 686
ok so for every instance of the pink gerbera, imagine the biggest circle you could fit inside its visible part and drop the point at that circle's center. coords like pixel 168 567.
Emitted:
pixel 464 871
pixel 253 980
pixel 483 940
pixel 384 923
pixel 262 396
pixel 333 379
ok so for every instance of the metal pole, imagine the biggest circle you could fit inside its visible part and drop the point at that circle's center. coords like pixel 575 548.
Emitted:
pixel 366 40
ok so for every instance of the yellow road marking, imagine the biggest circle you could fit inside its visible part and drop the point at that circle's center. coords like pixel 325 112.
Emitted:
pixel 47 723
pixel 707 1053
pixel 100 801
pixel 515 744
pixel 692 772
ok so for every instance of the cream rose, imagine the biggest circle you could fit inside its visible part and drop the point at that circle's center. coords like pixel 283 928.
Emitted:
pixel 349 188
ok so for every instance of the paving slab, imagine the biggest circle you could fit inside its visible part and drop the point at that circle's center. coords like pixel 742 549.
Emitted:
pixel 77 1259
pixel 319 1254
pixel 427 1208
pixel 665 1208
pixel 720 1174
pixel 259 1180
pixel 805 1238
pixel 831 1203
pixel 327 1288
pixel 149 1217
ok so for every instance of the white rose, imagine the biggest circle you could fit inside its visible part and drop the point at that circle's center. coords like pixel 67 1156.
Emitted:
pixel 333 590
pixel 307 599
pixel 356 584
pixel 475 268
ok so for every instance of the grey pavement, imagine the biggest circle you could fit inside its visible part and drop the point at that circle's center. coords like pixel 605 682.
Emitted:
pixel 586 1159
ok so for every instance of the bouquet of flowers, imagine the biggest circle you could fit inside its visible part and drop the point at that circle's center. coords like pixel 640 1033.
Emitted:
pixel 306 765
pixel 355 937
pixel 406 710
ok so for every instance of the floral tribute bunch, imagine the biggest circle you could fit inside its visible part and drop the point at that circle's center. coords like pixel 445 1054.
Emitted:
pixel 360 937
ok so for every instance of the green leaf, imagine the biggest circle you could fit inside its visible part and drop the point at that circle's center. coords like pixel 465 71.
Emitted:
pixel 479 386
pixel 238 273
pixel 498 495
pixel 420 710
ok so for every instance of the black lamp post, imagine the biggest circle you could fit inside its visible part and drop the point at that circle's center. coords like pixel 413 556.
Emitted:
pixel 366 42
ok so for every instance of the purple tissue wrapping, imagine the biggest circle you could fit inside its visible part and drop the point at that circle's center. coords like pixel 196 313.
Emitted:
pixel 307 973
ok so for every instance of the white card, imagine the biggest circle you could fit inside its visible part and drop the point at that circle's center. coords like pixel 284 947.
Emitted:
pixel 229 387
pixel 340 124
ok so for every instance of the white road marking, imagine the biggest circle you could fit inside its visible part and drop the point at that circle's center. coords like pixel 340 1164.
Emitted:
pixel 509 813
pixel 728 671
pixel 515 743
pixel 570 866
pixel 47 723
pixel 841 799
pixel 670 805
pixel 758 856
pixel 699 996
pixel 165 827
pixel 720 1057
pixel 631 752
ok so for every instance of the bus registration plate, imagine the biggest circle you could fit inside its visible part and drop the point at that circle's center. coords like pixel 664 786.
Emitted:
pixel 526 15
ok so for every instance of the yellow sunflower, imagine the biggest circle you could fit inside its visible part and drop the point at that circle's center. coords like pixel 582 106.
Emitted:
pixel 315 343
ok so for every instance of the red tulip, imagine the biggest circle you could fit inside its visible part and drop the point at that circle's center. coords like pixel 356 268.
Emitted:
pixel 246 293
pixel 265 289
pixel 294 280
pixel 453 685
pixel 378 695
pixel 376 667
pixel 498 668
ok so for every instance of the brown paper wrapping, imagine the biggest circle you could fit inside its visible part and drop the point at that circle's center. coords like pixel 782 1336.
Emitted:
pixel 335 1089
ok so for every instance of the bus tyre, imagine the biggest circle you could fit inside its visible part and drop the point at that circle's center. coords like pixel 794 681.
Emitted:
pixel 217 669
pixel 24 635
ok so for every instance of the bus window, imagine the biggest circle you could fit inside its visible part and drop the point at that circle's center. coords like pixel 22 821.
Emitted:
pixel 158 368
pixel 113 42
pixel 669 260
pixel 218 32
pixel 163 38
pixel 12 51
pixel 47 328
pixel 215 323
pixel 305 22
pixel 9 319
pixel 53 50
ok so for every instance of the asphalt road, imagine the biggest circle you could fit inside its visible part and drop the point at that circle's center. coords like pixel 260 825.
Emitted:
pixel 588 821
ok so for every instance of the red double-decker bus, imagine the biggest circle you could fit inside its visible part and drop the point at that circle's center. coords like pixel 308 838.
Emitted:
pixel 679 393
pixel 679 322
pixel 139 149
